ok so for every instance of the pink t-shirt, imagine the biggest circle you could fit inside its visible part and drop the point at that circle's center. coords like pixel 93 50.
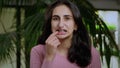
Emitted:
pixel 37 59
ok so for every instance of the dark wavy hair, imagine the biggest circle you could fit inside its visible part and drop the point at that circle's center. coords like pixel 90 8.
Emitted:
pixel 80 50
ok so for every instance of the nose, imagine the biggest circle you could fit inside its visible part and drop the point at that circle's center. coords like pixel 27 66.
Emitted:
pixel 61 24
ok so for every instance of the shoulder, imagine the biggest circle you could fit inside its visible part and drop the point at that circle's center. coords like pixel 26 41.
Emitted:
pixel 95 56
pixel 95 62
pixel 94 51
pixel 39 49
pixel 37 56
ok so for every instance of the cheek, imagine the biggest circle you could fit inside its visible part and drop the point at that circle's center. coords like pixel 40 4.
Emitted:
pixel 71 26
pixel 53 26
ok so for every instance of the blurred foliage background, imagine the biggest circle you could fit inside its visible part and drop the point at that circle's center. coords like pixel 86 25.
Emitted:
pixel 28 21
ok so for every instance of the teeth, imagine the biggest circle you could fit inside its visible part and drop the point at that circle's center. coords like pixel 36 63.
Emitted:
pixel 62 30
pixel 57 30
pixel 65 30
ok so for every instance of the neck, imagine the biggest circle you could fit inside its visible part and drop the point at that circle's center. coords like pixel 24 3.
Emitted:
pixel 64 46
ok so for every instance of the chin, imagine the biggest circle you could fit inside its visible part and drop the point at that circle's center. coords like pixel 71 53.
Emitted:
pixel 61 37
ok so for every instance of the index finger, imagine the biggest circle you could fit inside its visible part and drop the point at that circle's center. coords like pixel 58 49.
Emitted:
pixel 54 33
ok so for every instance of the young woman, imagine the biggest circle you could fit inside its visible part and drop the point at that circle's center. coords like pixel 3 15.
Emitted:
pixel 65 42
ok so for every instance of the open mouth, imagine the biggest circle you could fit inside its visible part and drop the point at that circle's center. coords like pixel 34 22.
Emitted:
pixel 61 31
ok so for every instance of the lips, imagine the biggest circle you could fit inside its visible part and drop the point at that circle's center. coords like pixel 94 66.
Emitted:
pixel 61 31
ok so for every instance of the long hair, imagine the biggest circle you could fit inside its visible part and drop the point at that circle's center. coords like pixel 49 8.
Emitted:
pixel 80 50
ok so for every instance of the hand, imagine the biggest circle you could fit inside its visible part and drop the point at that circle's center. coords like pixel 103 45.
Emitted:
pixel 52 43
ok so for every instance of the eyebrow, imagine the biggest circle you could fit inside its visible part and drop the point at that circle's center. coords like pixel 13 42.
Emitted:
pixel 64 16
pixel 55 16
pixel 67 16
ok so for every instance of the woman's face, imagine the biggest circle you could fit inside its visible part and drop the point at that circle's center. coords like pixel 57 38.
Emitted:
pixel 63 22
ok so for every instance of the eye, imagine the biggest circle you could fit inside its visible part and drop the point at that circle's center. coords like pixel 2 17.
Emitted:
pixel 67 18
pixel 55 18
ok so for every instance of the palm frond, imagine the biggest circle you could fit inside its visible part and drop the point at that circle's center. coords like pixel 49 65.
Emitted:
pixel 91 20
pixel 6 47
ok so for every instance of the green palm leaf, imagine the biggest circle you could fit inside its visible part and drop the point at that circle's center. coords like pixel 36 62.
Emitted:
pixel 6 47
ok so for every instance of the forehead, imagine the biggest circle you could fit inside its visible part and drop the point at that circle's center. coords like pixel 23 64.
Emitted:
pixel 62 10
